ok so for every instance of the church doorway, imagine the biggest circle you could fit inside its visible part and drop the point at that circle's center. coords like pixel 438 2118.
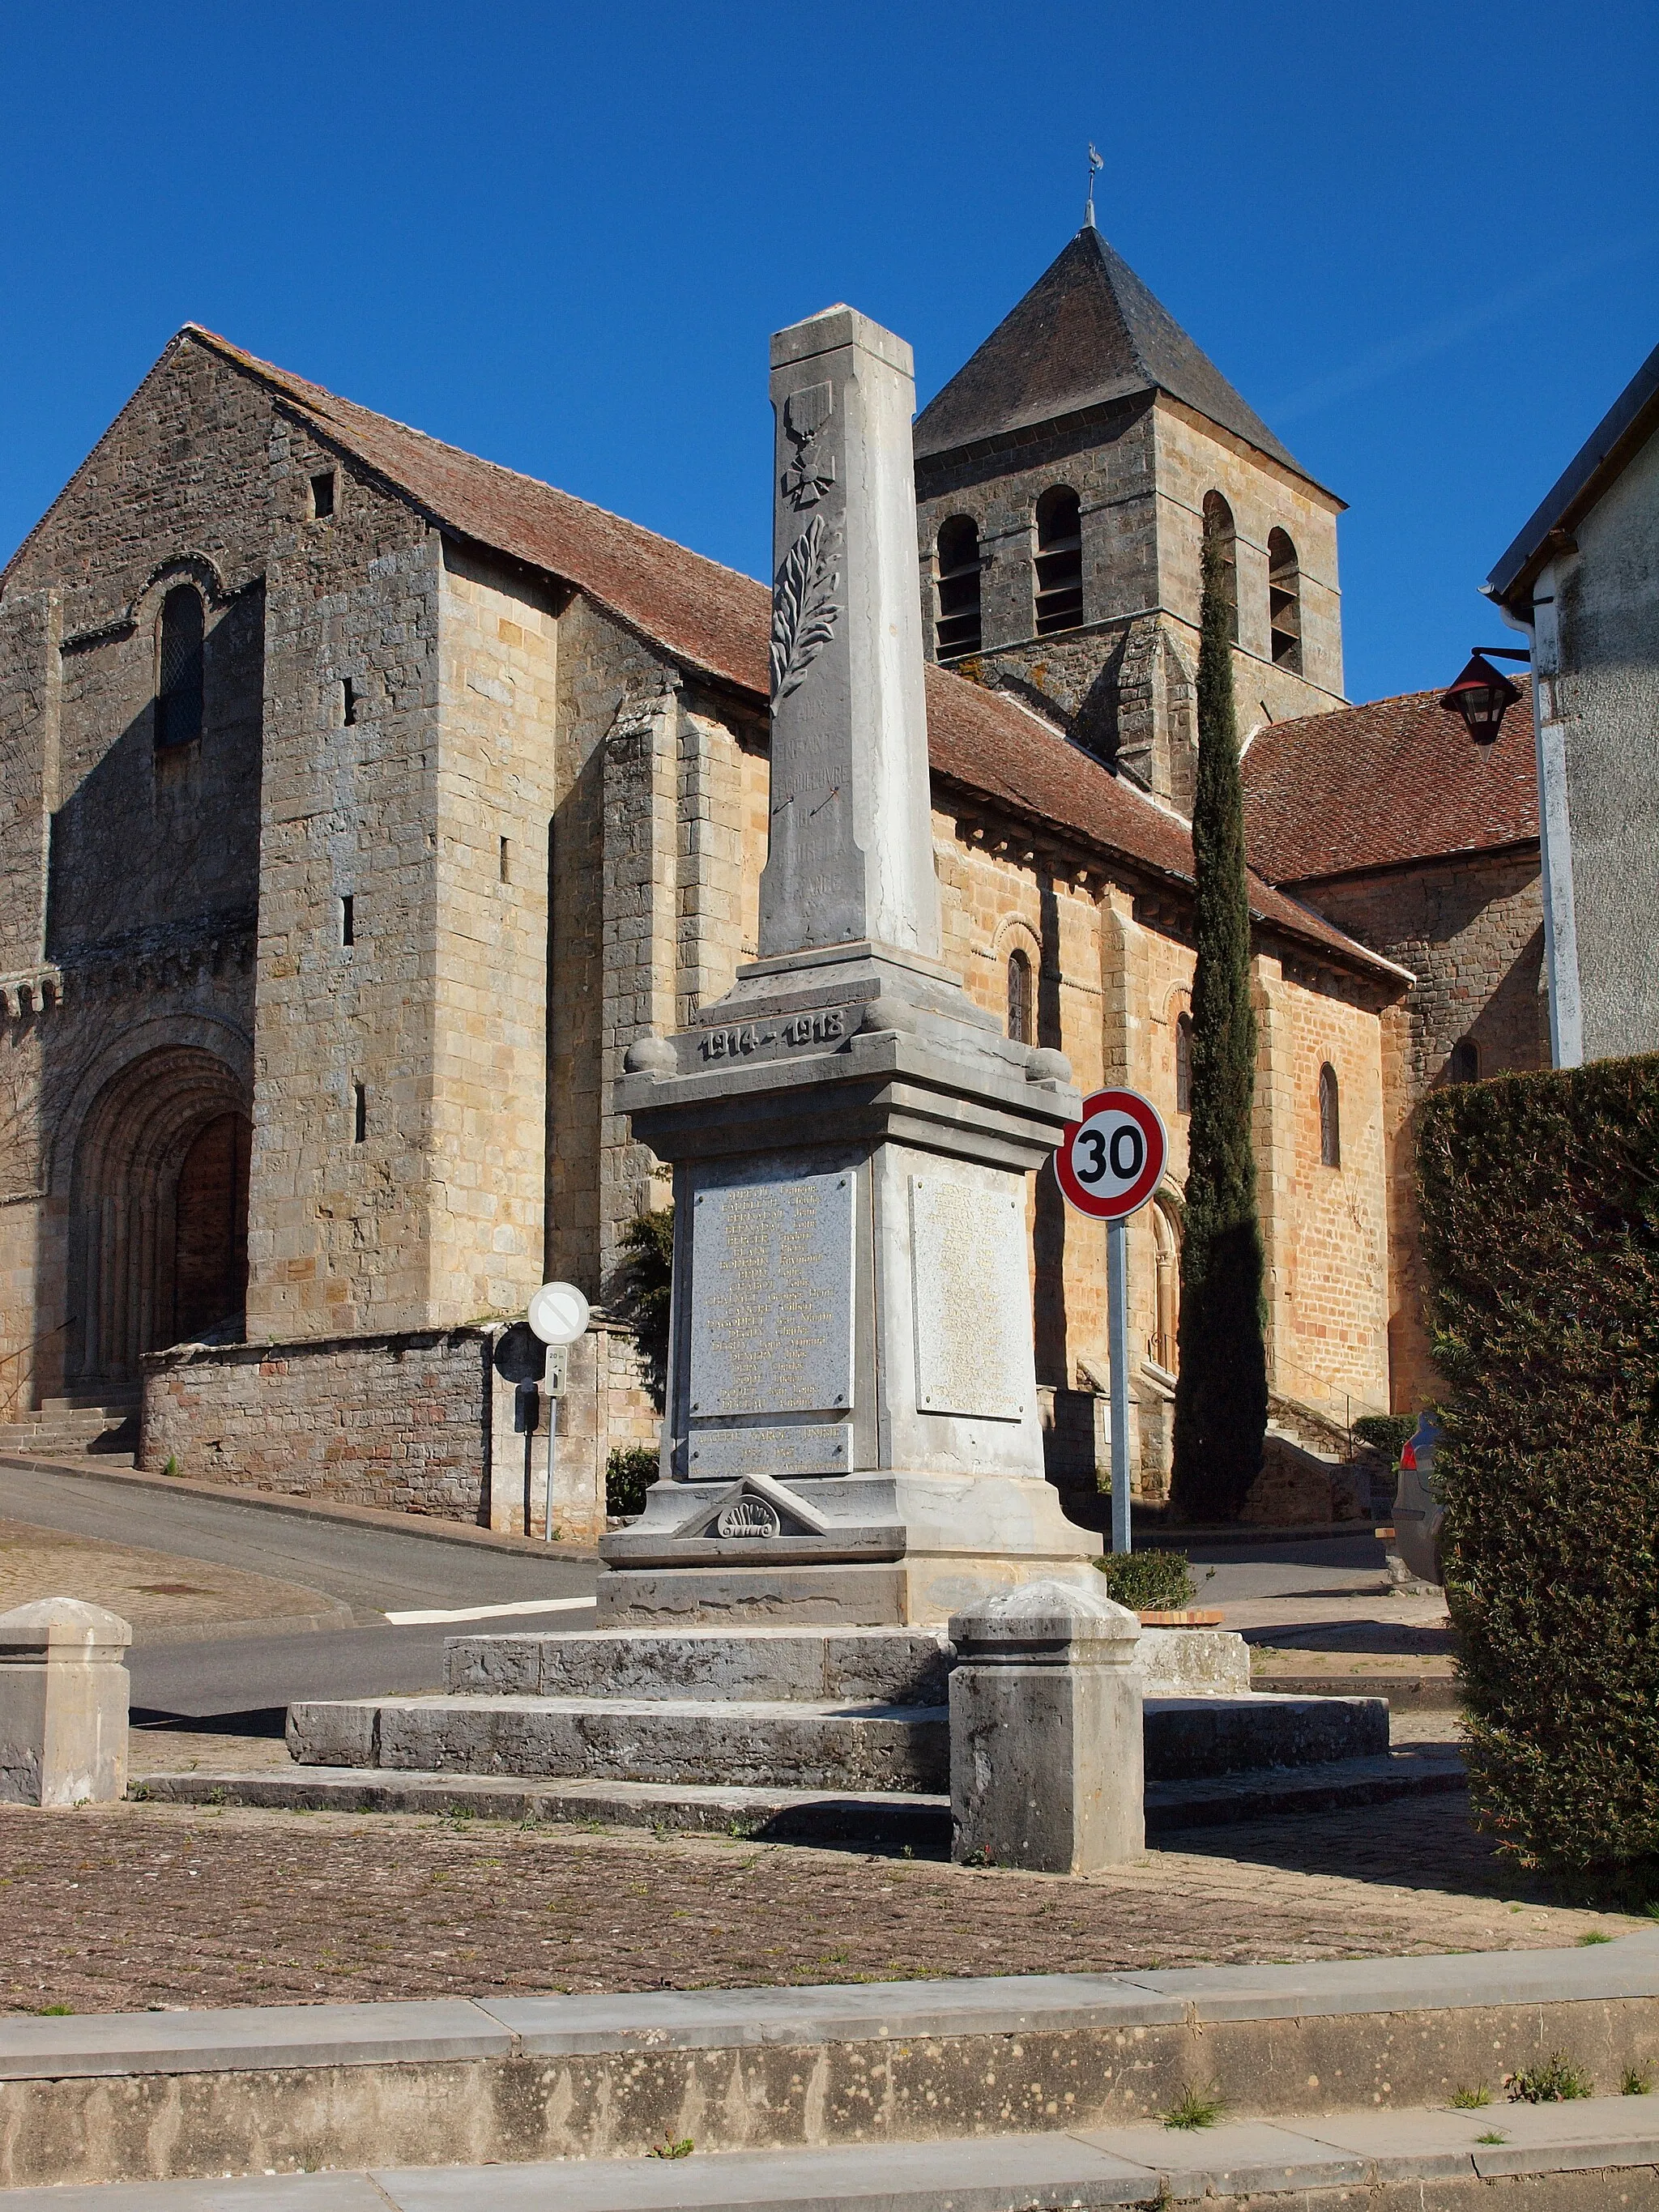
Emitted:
pixel 158 1215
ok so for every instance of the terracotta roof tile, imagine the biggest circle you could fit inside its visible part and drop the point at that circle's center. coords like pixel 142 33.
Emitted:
pixel 1381 786
pixel 719 621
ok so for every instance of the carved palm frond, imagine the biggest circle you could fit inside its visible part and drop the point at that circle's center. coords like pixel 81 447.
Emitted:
pixel 804 612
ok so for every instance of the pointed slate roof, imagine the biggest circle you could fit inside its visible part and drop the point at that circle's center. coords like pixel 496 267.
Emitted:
pixel 1088 331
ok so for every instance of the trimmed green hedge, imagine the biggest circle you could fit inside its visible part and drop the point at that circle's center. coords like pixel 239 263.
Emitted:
pixel 1540 1229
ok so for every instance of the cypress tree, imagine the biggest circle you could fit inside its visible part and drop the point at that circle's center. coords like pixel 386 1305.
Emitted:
pixel 1221 1389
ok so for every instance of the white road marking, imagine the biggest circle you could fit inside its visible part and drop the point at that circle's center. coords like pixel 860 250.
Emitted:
pixel 426 1617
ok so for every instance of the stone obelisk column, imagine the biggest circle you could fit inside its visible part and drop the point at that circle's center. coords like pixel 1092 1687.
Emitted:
pixel 852 1432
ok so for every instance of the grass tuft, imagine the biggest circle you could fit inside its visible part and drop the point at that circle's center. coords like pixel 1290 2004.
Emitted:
pixel 1470 2100
pixel 1196 2108
pixel 1632 2082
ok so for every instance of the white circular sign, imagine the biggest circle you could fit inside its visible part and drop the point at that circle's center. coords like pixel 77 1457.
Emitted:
pixel 558 1313
pixel 1109 1162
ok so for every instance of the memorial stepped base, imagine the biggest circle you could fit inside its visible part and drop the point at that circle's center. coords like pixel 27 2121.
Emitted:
pixel 859 1711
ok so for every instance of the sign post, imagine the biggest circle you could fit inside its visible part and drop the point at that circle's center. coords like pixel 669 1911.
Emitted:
pixel 1108 1164
pixel 558 1314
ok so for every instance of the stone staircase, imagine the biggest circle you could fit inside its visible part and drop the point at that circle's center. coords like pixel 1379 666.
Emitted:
pixel 72 1427
pixel 857 1710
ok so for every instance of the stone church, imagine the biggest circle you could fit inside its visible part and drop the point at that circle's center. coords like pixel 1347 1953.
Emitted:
pixel 361 802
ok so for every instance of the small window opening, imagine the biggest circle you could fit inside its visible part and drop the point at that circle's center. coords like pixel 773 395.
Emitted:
pixel 348 702
pixel 1183 1067
pixel 506 861
pixel 1330 1119
pixel 1021 1027
pixel 322 496
pixel 178 688
pixel 1219 531
pixel 957 630
pixel 1285 601
pixel 359 1113
pixel 1464 1064
pixel 347 920
pixel 1059 560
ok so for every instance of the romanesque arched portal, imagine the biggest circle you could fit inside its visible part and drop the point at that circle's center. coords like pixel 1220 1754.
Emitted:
pixel 158 1213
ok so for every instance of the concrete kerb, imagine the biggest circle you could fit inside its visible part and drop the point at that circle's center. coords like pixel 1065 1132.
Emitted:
pixel 1054 2059
pixel 425 1528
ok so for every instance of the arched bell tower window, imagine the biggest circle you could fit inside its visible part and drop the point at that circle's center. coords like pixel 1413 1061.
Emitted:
pixel 1022 1013
pixel 1330 1119
pixel 1285 601
pixel 1059 560
pixel 1218 530
pixel 179 678
pixel 1184 1063
pixel 957 630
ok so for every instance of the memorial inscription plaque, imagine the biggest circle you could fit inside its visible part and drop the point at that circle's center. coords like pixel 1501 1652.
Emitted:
pixel 972 1299
pixel 812 1448
pixel 772 1298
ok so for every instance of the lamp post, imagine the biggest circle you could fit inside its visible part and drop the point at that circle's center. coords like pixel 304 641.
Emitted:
pixel 1483 695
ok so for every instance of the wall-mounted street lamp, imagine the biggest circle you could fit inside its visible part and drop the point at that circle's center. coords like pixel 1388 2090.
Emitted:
pixel 1483 695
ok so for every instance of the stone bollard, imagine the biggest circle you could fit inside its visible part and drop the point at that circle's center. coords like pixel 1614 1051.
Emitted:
pixel 1046 1759
pixel 65 1691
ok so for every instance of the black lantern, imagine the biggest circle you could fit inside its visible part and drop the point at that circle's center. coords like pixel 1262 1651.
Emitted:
pixel 1483 695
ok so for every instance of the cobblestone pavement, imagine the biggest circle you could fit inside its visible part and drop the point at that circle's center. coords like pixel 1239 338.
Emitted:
pixel 159 1594
pixel 120 1907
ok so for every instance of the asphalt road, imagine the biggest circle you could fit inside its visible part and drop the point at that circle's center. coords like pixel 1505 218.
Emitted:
pixel 243 1684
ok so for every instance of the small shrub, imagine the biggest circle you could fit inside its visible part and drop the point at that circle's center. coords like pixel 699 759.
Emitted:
pixel 171 1466
pixel 1388 1433
pixel 1557 2081
pixel 1632 2082
pixel 1196 2108
pixel 683 2148
pixel 55 2012
pixel 1470 2100
pixel 628 1473
pixel 1148 1582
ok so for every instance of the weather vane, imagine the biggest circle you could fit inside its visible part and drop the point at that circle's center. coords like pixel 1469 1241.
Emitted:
pixel 1095 163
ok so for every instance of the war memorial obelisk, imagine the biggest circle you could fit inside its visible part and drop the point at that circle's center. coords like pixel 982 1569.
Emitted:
pixel 852 1434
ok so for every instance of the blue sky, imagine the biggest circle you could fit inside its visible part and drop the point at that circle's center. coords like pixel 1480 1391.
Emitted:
pixel 1423 241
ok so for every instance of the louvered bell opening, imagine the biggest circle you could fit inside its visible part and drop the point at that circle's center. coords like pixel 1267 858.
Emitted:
pixel 1283 602
pixel 957 629
pixel 1058 561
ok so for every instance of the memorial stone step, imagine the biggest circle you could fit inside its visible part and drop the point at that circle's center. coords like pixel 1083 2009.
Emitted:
pixel 892 1666
pixel 789 1743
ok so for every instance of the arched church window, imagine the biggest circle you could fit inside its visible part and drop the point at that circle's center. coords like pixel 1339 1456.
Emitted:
pixel 1184 1063
pixel 1330 1119
pixel 1022 1022
pixel 1463 1065
pixel 1166 1258
pixel 957 630
pixel 179 682
pixel 1283 601
pixel 1218 530
pixel 1059 560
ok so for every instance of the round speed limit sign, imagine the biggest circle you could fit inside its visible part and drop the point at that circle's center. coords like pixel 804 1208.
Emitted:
pixel 1109 1163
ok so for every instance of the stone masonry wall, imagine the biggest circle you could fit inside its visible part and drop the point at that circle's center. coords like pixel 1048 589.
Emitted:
pixel 1470 928
pixel 396 1421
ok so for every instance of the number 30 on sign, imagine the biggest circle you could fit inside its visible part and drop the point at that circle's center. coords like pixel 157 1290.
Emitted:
pixel 1110 1162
